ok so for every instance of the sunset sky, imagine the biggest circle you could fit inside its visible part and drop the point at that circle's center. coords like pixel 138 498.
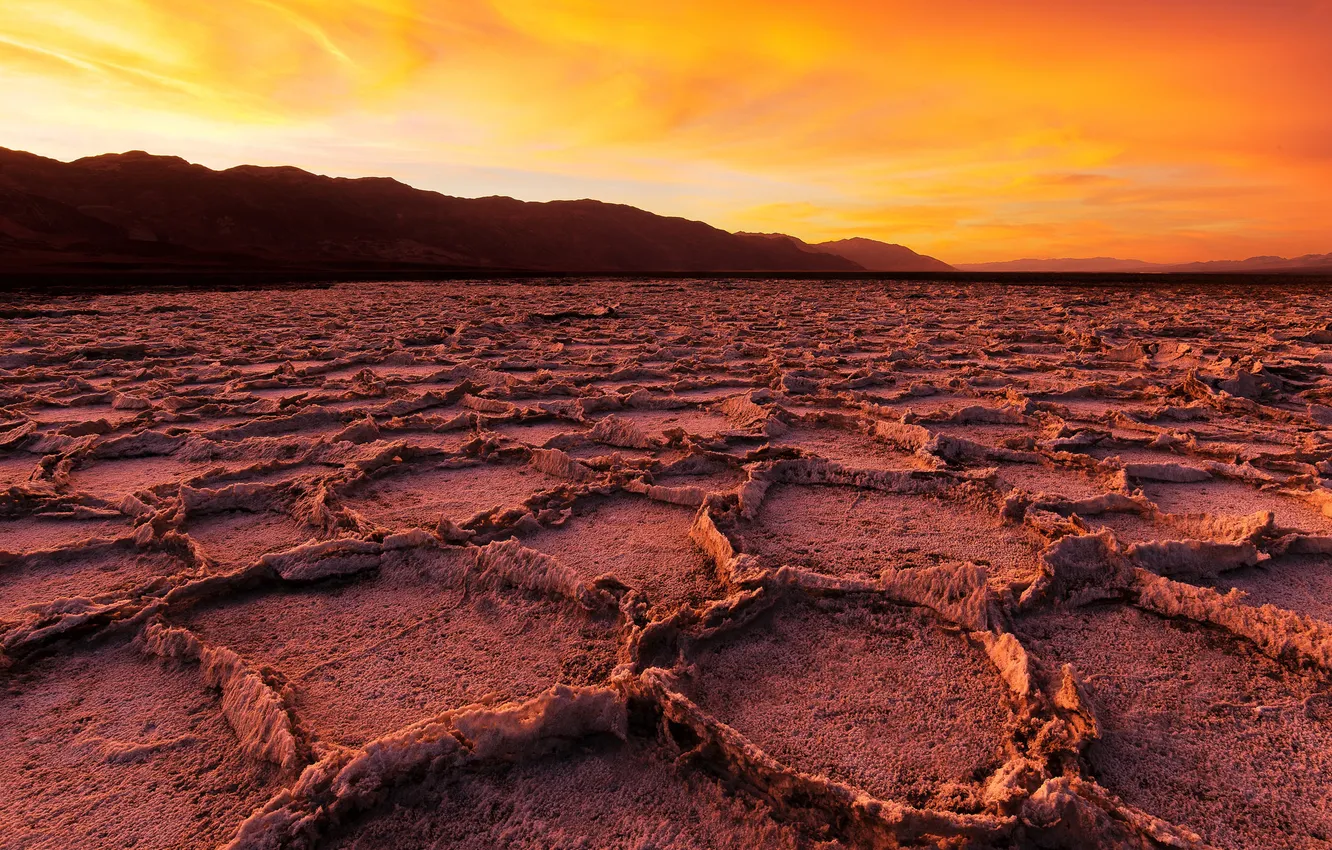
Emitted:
pixel 1166 130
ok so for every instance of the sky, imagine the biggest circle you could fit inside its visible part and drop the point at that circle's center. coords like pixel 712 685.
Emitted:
pixel 1161 130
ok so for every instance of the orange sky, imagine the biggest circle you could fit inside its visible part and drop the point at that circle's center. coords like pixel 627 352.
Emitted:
pixel 1165 130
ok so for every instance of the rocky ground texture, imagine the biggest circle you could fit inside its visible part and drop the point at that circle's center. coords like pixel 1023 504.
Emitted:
pixel 667 564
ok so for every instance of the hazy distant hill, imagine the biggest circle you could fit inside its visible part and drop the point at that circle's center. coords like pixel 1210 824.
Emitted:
pixel 155 211
pixel 1091 264
pixel 873 255
pixel 1309 262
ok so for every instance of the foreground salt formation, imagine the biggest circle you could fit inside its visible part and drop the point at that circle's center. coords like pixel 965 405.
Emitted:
pixel 666 564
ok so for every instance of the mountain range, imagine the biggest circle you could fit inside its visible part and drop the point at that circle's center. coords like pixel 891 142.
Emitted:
pixel 869 254
pixel 136 210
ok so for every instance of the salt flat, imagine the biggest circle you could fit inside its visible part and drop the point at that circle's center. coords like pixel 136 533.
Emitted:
pixel 706 564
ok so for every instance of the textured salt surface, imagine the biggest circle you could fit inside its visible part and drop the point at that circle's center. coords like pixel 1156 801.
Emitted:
pixel 103 570
pixel 34 533
pixel 1198 729
pixel 882 699
pixel 610 795
pixel 851 448
pixel 420 498
pixel 712 482
pixel 641 542
pixel 1051 481
pixel 112 479
pixel 105 747
pixel 852 532
pixel 1235 498
pixel 366 658
pixel 666 564
pixel 692 420
pixel 240 538
pixel 537 433
pixel 16 469
pixel 1299 583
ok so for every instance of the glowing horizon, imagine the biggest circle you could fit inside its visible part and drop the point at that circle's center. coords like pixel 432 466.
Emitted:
pixel 967 130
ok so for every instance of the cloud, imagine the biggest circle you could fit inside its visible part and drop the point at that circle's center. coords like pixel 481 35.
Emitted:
pixel 966 126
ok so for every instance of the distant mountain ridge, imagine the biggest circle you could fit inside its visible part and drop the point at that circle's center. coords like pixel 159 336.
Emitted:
pixel 883 256
pixel 1315 262
pixel 1309 262
pixel 140 210
pixel 871 254
pixel 1092 264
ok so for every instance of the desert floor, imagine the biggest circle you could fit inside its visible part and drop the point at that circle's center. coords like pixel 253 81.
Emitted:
pixel 667 564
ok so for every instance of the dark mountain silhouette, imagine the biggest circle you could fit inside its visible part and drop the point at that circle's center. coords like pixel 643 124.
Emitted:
pixel 139 210
pixel 871 254
pixel 135 211
pixel 882 256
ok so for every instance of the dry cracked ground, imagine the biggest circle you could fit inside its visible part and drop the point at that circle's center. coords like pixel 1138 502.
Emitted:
pixel 667 564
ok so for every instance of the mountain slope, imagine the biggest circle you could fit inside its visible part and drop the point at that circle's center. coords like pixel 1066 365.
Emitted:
pixel 136 207
pixel 871 254
pixel 882 256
